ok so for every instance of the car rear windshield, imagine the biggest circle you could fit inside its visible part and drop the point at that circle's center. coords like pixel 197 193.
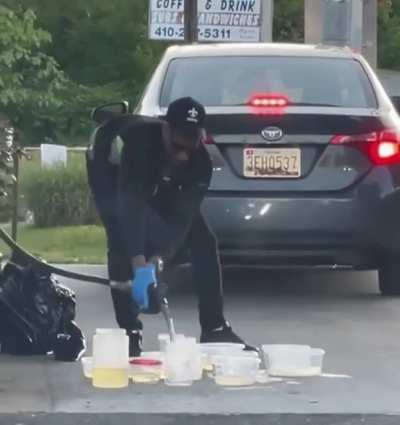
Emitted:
pixel 230 81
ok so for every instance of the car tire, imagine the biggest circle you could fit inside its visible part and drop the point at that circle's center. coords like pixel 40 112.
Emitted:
pixel 389 276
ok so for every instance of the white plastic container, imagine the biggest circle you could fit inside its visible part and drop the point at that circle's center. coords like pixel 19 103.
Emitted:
pixel 196 363
pixel 317 359
pixel 87 366
pixel 178 367
pixel 110 358
pixel 110 331
pixel 209 350
pixel 158 355
pixel 235 370
pixel 262 377
pixel 286 357
pixel 165 339
pixel 220 348
pixel 293 360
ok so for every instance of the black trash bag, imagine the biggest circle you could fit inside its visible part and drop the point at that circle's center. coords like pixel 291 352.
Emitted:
pixel 37 315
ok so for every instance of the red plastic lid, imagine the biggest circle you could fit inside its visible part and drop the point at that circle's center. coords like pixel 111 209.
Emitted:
pixel 145 362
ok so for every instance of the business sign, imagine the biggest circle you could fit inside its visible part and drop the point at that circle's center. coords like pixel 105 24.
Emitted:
pixel 224 20
pixel 218 20
pixel 166 20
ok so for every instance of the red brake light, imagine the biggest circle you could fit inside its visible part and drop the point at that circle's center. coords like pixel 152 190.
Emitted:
pixel 387 150
pixel 383 148
pixel 269 103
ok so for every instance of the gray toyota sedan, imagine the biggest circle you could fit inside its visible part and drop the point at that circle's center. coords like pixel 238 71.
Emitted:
pixel 305 144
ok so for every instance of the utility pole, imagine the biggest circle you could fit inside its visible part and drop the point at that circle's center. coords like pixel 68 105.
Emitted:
pixel 370 32
pixel 343 22
pixel 190 13
pixel 267 22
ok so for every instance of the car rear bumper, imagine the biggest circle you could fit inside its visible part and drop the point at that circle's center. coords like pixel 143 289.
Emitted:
pixel 322 258
pixel 348 230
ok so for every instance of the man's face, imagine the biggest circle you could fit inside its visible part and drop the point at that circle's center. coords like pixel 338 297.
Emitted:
pixel 183 144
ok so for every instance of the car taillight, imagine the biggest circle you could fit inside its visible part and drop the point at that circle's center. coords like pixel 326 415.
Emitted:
pixel 269 103
pixel 382 148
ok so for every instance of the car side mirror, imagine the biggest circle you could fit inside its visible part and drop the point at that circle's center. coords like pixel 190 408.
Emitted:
pixel 107 111
pixel 396 103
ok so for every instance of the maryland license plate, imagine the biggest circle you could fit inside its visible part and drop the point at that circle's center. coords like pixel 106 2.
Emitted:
pixel 272 163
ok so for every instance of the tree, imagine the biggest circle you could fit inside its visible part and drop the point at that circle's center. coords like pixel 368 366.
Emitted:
pixel 289 21
pixel 389 34
pixel 31 82
pixel 102 47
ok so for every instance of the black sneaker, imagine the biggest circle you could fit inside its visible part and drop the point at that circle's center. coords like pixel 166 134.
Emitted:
pixel 224 334
pixel 135 343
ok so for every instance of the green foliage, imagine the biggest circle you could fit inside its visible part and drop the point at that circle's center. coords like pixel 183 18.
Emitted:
pixel 289 21
pixel 30 80
pixel 59 196
pixel 102 47
pixel 389 35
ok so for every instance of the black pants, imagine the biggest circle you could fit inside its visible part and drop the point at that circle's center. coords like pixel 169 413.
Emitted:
pixel 200 241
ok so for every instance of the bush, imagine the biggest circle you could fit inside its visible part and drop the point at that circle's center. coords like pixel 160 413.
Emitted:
pixel 59 196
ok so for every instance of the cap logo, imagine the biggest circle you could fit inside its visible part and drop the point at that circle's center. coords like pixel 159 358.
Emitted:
pixel 192 115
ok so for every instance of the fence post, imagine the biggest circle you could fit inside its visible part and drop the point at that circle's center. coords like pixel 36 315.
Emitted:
pixel 15 196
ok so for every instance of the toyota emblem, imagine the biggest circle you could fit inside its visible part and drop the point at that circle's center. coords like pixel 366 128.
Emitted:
pixel 272 134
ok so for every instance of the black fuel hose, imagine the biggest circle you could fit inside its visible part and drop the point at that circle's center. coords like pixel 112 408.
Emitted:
pixel 40 265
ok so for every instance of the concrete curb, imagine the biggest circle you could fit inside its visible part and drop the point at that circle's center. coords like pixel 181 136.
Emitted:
pixel 183 419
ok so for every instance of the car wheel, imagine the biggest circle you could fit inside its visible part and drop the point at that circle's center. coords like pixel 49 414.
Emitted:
pixel 389 275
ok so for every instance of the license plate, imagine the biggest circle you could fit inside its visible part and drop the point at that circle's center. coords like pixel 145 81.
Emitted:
pixel 272 163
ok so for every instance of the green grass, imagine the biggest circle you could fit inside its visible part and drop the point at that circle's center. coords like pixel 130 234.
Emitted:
pixel 70 244
pixel 31 165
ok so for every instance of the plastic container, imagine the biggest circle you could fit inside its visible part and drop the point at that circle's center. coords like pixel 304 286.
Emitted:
pixel 222 349
pixel 216 347
pixel 196 363
pixel 165 339
pixel 262 377
pixel 178 366
pixel 87 366
pixel 110 331
pixel 316 361
pixel 145 370
pixel 157 355
pixel 110 359
pixel 293 360
pixel 235 370
pixel 285 358
pixel 209 350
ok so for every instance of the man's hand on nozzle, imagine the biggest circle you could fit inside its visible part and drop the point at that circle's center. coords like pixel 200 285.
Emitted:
pixel 158 262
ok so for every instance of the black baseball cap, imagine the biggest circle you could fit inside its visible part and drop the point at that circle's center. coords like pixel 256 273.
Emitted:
pixel 186 115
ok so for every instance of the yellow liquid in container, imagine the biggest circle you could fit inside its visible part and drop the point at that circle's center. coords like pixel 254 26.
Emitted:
pixel 110 378
pixel 145 378
pixel 234 381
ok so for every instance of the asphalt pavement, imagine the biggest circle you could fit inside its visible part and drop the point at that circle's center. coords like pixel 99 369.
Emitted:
pixel 341 312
